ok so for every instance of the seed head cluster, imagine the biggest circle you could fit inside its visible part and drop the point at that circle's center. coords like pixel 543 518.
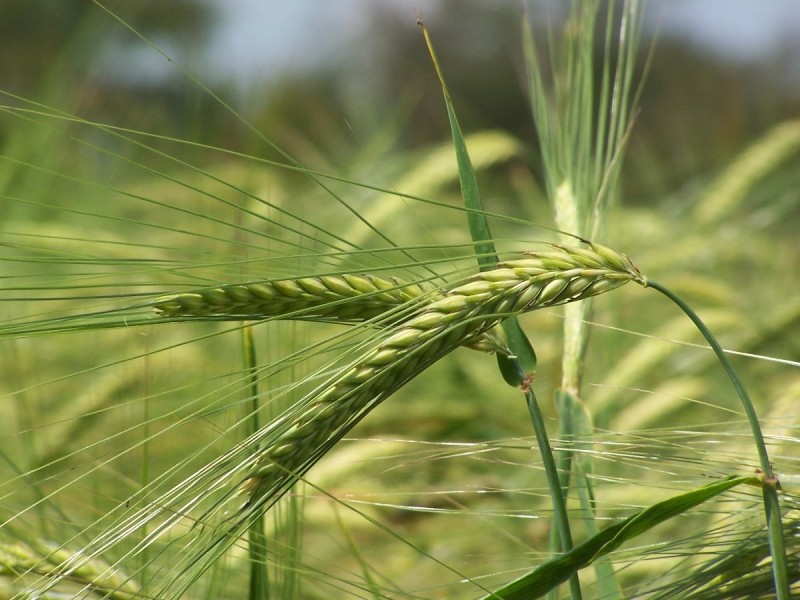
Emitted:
pixel 458 317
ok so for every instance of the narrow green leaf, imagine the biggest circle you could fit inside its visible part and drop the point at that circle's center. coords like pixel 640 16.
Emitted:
pixel 772 507
pixel 521 349
pixel 556 571
pixel 257 540
pixel 555 485
pixel 519 365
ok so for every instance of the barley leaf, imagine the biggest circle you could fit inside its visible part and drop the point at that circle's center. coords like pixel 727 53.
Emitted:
pixel 554 572
pixel 523 356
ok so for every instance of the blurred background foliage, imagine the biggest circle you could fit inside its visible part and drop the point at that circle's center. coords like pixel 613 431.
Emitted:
pixel 698 109
pixel 711 188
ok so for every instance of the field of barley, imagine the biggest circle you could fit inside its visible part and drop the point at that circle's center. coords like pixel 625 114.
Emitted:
pixel 496 306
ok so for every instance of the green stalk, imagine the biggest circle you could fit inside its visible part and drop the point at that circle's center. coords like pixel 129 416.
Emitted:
pixel 259 577
pixel 560 516
pixel 772 507
pixel 575 467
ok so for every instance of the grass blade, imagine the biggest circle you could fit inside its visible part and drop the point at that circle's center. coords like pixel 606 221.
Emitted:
pixel 516 339
pixel 518 368
pixel 556 571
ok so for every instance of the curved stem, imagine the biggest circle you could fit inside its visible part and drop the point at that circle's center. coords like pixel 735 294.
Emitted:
pixel 560 516
pixel 752 418
pixel 772 507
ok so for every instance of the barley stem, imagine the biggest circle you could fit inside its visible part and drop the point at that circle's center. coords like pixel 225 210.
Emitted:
pixel 771 502
pixel 257 539
pixel 557 495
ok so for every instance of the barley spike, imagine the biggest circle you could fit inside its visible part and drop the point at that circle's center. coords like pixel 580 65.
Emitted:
pixel 460 316
pixel 327 297
pixel 335 298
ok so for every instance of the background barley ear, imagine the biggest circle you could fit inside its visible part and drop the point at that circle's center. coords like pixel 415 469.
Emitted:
pixel 346 298
pixel 32 558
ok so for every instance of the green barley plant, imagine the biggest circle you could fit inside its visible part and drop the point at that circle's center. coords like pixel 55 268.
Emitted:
pixel 226 373
pixel 583 138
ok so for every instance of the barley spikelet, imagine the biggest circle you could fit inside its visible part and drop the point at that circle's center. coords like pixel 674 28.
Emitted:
pixel 461 315
pixel 328 297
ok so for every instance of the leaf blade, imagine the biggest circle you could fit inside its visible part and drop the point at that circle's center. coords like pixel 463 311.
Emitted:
pixel 555 571
pixel 522 361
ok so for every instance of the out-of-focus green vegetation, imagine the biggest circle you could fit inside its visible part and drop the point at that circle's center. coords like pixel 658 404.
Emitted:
pixel 90 221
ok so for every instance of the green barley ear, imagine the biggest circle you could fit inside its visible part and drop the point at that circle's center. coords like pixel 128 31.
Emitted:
pixel 345 297
pixel 463 314
pixel 95 575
